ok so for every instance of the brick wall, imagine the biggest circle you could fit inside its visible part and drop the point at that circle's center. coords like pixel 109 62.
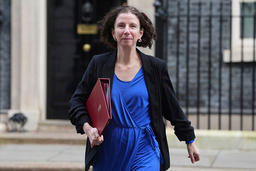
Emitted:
pixel 5 58
pixel 211 36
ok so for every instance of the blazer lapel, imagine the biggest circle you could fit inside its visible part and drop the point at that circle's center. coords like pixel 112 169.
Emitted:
pixel 152 84
pixel 109 68
pixel 149 72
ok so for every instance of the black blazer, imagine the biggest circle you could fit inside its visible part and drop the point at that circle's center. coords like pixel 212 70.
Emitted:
pixel 163 102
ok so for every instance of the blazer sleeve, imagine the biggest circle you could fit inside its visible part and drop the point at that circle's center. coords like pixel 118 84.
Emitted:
pixel 172 110
pixel 78 114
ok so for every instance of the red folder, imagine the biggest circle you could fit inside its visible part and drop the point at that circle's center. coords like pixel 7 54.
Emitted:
pixel 99 104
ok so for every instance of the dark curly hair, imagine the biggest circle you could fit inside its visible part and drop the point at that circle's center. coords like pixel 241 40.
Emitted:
pixel 107 24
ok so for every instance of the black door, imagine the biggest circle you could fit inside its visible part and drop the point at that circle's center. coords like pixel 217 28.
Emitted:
pixel 72 41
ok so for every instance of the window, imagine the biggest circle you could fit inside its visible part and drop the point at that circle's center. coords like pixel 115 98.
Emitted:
pixel 243 31
pixel 247 22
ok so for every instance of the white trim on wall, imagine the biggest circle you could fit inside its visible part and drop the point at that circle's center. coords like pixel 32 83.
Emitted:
pixel 147 7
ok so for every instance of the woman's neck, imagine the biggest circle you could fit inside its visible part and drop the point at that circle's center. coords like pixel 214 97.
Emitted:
pixel 128 63
pixel 127 56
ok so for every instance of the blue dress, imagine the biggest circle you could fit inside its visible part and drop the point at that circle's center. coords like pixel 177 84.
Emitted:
pixel 129 141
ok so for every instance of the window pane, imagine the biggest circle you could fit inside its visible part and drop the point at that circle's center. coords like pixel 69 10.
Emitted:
pixel 247 19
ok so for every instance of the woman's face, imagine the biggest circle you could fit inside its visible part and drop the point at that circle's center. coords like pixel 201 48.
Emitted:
pixel 127 30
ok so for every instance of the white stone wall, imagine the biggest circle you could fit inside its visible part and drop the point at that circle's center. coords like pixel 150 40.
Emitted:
pixel 147 7
pixel 28 79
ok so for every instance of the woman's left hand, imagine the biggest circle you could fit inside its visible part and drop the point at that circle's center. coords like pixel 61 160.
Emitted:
pixel 193 152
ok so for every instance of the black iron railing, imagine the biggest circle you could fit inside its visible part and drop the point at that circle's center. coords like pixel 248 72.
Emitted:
pixel 198 33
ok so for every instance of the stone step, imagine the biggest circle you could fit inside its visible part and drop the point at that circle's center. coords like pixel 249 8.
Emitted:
pixel 34 166
pixel 62 132
pixel 42 138
pixel 49 132
pixel 56 126
pixel 205 139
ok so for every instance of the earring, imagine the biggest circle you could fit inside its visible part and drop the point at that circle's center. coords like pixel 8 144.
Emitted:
pixel 140 40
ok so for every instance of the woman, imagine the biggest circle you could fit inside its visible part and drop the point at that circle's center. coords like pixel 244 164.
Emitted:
pixel 141 94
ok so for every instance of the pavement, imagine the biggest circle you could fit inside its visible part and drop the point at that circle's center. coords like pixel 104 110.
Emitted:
pixel 64 151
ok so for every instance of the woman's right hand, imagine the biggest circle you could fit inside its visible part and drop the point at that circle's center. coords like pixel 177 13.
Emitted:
pixel 93 135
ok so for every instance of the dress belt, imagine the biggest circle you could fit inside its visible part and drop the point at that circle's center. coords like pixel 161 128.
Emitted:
pixel 154 143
